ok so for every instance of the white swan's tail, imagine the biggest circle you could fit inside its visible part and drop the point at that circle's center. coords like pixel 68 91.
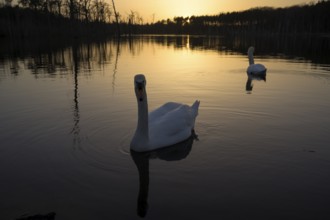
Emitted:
pixel 194 110
pixel 195 107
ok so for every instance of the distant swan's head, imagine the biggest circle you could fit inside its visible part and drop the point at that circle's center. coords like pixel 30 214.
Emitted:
pixel 139 86
pixel 250 52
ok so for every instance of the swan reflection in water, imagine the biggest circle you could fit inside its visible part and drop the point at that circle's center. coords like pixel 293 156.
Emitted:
pixel 254 77
pixel 174 152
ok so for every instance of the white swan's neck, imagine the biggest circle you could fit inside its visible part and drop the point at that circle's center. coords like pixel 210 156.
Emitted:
pixel 143 121
pixel 140 140
pixel 250 54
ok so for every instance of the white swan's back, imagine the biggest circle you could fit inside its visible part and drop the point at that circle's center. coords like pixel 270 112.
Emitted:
pixel 172 123
pixel 254 69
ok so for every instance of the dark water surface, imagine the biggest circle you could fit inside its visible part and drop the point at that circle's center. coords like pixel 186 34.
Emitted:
pixel 68 113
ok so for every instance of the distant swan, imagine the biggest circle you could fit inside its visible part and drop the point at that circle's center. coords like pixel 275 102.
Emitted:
pixel 254 69
pixel 169 124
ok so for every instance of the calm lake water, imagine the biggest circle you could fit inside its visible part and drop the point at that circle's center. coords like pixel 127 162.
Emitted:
pixel 68 114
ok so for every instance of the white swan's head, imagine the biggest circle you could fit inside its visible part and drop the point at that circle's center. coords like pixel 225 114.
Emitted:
pixel 251 50
pixel 140 87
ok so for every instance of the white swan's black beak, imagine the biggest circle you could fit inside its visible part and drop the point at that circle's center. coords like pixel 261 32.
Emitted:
pixel 140 84
pixel 140 88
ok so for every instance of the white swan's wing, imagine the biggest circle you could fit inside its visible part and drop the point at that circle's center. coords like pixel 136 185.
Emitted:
pixel 256 69
pixel 162 110
pixel 173 124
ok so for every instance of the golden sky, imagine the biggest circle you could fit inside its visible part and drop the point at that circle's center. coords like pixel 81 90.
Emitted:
pixel 163 9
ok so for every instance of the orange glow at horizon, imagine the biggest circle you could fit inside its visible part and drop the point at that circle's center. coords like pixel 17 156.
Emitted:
pixel 155 10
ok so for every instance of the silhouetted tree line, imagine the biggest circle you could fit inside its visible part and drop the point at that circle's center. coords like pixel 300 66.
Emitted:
pixel 311 18
pixel 56 18
pixel 89 18
pixel 84 10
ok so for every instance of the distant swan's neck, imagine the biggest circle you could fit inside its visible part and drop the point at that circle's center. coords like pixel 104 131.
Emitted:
pixel 142 130
pixel 250 54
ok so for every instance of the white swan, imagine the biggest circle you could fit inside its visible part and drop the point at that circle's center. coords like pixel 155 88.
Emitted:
pixel 165 126
pixel 254 69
